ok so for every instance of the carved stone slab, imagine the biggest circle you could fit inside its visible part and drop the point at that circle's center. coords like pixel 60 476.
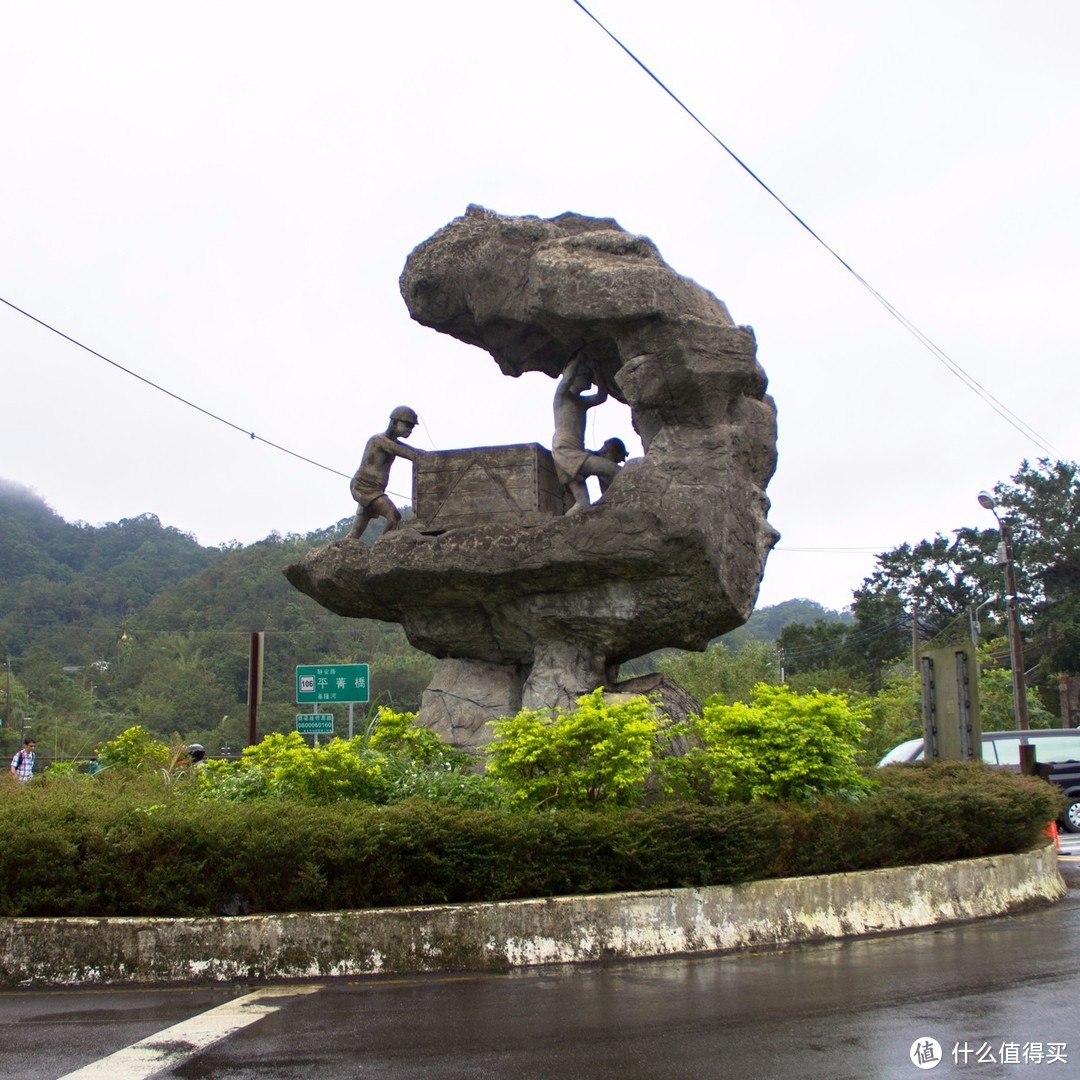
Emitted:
pixel 490 484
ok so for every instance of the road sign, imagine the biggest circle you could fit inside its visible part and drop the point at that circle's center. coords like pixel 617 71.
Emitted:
pixel 315 723
pixel 318 683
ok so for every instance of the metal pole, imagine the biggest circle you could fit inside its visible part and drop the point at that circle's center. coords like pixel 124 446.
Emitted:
pixel 254 684
pixel 1016 648
pixel 1016 652
pixel 915 637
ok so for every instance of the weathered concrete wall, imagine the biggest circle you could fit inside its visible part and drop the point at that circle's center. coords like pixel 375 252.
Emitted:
pixel 505 935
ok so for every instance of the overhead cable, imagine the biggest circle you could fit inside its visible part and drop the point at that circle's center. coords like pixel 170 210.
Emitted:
pixel 1002 410
pixel 175 397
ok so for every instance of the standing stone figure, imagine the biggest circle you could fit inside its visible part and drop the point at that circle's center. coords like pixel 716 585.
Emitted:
pixel 368 486
pixel 573 463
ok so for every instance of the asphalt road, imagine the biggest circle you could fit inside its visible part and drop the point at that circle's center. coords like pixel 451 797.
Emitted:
pixel 998 997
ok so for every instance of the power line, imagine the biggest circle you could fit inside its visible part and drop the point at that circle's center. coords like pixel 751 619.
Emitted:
pixel 175 397
pixel 293 453
pixel 833 550
pixel 951 365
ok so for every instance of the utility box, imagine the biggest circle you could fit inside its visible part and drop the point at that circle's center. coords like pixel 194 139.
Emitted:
pixel 484 485
pixel 952 730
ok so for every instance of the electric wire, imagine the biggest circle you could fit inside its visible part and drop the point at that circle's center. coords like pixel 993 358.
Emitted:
pixel 863 636
pixel 951 365
pixel 292 453
pixel 176 397
pixel 833 550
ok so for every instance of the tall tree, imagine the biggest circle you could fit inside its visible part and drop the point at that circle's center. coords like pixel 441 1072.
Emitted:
pixel 1042 508
pixel 945 582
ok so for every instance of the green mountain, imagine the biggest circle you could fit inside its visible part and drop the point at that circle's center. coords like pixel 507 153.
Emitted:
pixel 136 623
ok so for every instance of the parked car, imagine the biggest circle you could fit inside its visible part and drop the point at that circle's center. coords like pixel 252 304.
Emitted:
pixel 1057 758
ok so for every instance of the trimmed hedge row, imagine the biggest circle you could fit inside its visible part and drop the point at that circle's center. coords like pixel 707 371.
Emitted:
pixel 130 848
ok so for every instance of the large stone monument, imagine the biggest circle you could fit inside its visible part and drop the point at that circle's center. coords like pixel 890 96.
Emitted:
pixel 527 604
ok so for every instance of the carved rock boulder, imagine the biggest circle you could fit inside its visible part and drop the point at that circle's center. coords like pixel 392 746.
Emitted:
pixel 535 612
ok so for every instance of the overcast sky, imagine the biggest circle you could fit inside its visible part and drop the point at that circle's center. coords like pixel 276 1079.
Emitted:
pixel 221 196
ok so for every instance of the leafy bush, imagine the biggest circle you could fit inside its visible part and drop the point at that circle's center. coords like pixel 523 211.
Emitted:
pixel 124 844
pixel 601 752
pixel 781 745
pixel 285 766
pixel 399 735
pixel 134 748
pixel 449 785
pixel 923 812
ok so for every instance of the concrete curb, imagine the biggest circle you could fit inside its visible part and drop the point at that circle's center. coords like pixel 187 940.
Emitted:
pixel 500 936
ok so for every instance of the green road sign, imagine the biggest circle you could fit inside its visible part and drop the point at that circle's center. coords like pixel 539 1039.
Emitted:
pixel 315 723
pixel 318 683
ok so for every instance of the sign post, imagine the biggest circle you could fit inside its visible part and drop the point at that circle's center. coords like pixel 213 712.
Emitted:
pixel 315 723
pixel 319 684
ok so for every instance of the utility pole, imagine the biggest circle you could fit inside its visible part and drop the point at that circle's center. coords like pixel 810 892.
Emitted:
pixel 1016 648
pixel 254 692
pixel 915 659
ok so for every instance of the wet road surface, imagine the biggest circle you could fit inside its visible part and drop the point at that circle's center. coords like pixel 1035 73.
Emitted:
pixel 999 997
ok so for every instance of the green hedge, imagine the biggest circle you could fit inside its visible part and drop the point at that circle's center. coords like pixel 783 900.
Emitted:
pixel 124 846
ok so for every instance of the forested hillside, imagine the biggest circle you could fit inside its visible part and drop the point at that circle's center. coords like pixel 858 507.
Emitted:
pixel 56 576
pixel 136 623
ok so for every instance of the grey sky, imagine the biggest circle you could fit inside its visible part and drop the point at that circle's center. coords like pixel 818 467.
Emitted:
pixel 221 196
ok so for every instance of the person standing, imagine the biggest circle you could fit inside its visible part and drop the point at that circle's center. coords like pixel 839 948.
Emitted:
pixel 22 764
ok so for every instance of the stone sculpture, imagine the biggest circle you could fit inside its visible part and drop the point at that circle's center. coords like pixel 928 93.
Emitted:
pixel 368 486
pixel 533 607
pixel 573 463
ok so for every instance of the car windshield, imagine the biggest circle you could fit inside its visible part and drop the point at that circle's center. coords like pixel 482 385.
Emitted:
pixel 1002 748
pixel 1050 748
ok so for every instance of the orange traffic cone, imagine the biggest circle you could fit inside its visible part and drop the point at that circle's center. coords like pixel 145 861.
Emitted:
pixel 1051 830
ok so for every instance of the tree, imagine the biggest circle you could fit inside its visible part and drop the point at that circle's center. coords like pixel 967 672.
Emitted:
pixel 819 646
pixel 946 580
pixel 894 715
pixel 1042 506
pixel 720 673
pixel 939 581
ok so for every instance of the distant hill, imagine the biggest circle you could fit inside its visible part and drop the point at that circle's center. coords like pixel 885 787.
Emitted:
pixel 767 623
pixel 53 573
pixel 135 622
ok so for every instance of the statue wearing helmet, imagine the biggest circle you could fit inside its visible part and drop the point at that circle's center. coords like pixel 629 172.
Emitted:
pixel 368 486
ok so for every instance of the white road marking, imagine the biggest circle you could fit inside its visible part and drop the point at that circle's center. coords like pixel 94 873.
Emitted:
pixel 168 1048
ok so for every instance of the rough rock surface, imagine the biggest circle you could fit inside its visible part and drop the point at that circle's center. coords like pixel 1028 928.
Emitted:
pixel 533 616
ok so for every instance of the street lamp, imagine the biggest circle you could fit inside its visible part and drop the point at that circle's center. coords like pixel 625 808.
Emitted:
pixel 1016 652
